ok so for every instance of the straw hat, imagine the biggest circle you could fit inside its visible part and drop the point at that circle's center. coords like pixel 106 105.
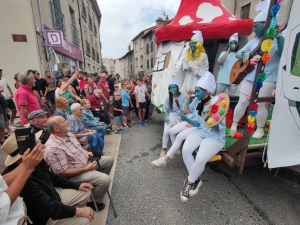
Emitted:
pixel 10 147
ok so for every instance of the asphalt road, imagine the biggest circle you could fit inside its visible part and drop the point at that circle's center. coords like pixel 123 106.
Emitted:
pixel 146 195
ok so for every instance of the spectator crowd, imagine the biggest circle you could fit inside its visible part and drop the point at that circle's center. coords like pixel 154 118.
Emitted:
pixel 63 180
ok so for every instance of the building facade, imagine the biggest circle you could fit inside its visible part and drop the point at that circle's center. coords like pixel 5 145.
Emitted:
pixel 150 52
pixel 126 63
pixel 110 65
pixel 49 35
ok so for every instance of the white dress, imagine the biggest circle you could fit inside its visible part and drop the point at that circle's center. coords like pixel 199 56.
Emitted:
pixel 191 77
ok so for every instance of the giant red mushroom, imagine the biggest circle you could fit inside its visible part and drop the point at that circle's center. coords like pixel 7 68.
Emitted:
pixel 209 16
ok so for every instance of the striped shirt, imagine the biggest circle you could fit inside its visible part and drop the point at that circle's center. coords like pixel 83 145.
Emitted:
pixel 63 153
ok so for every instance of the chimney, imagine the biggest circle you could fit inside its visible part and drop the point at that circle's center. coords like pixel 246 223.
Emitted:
pixel 159 21
pixel 167 18
pixel 129 48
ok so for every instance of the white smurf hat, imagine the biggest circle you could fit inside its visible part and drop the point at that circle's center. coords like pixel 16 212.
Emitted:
pixel 207 81
pixel 197 36
pixel 262 8
pixel 234 37
pixel 174 80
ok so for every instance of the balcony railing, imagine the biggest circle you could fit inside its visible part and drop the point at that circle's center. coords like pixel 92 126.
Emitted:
pixel 90 22
pixel 75 35
pixel 83 10
pixel 93 53
pixel 58 19
pixel 88 48
pixel 98 58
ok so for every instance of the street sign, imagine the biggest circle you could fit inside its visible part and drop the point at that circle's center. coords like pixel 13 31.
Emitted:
pixel 19 37
pixel 55 38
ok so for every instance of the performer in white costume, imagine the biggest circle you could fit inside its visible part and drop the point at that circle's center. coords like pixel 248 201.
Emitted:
pixel 226 61
pixel 171 112
pixel 180 131
pixel 195 60
pixel 209 140
pixel 271 70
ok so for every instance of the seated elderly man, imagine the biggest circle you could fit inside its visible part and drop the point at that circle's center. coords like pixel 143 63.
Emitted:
pixel 38 120
pixel 66 157
pixel 76 126
pixel 50 199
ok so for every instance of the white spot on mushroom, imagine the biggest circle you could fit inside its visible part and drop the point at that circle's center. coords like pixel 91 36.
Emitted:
pixel 185 20
pixel 231 18
pixel 208 12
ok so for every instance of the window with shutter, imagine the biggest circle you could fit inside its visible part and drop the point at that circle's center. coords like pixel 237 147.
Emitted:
pixel 245 11
pixel 151 63
pixel 147 63
pixel 147 49
pixel 151 46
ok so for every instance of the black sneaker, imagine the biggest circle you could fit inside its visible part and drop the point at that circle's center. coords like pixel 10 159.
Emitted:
pixel 184 195
pixel 128 121
pixel 92 205
pixel 128 125
pixel 195 187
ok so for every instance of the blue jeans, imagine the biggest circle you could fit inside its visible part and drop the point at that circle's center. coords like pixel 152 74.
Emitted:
pixel 102 129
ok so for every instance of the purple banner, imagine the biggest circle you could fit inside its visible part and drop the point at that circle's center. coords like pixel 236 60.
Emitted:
pixel 68 49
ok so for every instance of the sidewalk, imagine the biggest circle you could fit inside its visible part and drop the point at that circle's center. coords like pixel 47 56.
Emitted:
pixel 111 149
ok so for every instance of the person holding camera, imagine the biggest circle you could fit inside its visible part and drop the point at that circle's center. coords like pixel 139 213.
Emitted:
pixel 67 158
pixel 49 198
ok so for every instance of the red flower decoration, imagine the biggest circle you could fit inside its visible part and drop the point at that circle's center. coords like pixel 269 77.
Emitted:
pixel 214 108
pixel 176 100
pixel 254 106
pixel 250 130
pixel 155 85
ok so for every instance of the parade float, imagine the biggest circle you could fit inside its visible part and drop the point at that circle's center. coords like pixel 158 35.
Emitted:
pixel 213 20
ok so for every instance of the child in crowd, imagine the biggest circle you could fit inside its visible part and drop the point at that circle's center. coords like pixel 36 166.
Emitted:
pixel 118 112
pixel 131 106
pixel 125 104
pixel 140 95
pixel 116 87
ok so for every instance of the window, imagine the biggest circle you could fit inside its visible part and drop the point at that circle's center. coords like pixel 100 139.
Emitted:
pixel 142 43
pixel 147 49
pixel 152 63
pixel 150 36
pixel 136 62
pixel 151 46
pixel 147 63
pixel 141 61
pixel 245 10
pixel 130 57
pixel 295 67
pixel 136 46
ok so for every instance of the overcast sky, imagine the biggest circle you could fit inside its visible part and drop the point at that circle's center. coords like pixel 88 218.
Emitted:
pixel 123 20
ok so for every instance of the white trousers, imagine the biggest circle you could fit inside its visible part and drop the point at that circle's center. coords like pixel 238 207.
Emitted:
pixel 245 91
pixel 167 127
pixel 221 88
pixel 208 148
pixel 178 134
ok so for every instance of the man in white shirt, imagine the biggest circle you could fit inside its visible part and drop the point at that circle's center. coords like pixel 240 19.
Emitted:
pixel 11 184
pixel 141 104
pixel 8 95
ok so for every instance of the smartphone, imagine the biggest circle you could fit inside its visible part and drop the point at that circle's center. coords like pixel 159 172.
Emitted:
pixel 25 139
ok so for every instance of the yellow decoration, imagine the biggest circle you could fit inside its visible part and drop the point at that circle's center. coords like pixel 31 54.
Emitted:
pixel 224 103
pixel 209 121
pixel 173 75
pixel 266 45
pixel 267 126
pixel 199 49
pixel 251 119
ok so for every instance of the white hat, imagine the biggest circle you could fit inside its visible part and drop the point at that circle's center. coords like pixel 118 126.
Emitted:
pixel 234 37
pixel 207 81
pixel 262 8
pixel 197 36
pixel 174 81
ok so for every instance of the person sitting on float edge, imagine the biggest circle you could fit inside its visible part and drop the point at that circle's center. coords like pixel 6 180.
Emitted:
pixel 66 157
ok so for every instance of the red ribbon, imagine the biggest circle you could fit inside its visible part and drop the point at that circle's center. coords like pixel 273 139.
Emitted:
pixel 250 130
pixel 254 106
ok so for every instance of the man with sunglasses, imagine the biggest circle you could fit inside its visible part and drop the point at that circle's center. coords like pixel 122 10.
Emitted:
pixel 25 98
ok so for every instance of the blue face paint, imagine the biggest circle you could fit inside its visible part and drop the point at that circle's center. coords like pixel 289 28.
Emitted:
pixel 232 46
pixel 193 46
pixel 199 93
pixel 258 29
pixel 173 89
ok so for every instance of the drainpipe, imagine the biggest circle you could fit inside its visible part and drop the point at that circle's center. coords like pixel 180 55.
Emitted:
pixel 82 44
pixel 44 36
